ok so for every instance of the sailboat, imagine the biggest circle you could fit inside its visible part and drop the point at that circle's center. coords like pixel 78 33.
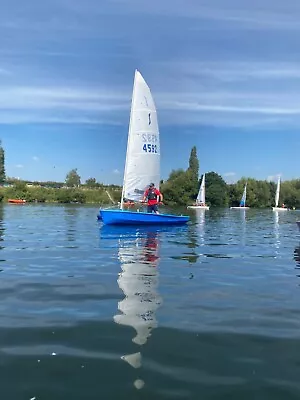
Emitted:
pixel 242 205
pixel 276 208
pixel 142 165
pixel 200 201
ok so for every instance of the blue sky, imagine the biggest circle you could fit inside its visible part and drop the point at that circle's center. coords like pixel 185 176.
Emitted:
pixel 225 76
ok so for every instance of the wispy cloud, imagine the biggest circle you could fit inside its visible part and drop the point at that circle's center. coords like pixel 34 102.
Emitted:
pixel 4 72
pixel 228 83
pixel 19 166
pixel 95 106
pixel 35 158
pixel 229 174
pixel 116 171
pixel 268 15
pixel 273 178
pixel 234 71
pixel 230 177
pixel 61 105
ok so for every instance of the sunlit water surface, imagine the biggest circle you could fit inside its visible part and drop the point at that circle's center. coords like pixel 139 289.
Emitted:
pixel 204 311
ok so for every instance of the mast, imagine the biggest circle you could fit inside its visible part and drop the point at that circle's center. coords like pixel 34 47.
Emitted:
pixel 128 139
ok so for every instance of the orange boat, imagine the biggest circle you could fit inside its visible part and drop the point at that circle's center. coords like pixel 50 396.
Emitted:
pixel 16 201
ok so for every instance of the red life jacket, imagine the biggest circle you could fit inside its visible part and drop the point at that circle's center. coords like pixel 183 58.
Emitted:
pixel 151 194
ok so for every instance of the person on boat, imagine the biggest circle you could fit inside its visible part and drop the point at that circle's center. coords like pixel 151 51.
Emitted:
pixel 152 196
pixel 127 202
pixel 199 204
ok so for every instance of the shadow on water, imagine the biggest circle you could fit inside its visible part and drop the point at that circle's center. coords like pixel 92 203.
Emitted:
pixel 2 227
pixel 71 214
pixel 297 256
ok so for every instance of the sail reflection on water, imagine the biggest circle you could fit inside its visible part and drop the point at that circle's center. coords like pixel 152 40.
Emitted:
pixel 139 258
pixel 138 281
pixel 276 230
pixel 200 226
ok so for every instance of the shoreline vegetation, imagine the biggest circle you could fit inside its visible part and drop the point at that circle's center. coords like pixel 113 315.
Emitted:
pixel 181 188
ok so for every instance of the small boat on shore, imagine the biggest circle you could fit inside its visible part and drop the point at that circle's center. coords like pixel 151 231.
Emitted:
pixel 16 201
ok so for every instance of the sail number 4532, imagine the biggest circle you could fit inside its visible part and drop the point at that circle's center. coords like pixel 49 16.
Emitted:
pixel 150 148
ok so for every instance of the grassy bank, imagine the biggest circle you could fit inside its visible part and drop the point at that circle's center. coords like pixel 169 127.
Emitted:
pixel 59 195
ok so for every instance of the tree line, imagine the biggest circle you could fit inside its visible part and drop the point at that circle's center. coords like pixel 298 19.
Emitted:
pixel 181 188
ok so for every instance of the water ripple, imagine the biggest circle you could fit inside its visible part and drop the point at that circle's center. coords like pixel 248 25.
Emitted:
pixel 87 311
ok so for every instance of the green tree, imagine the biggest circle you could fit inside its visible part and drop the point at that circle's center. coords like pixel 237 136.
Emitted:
pixel 91 183
pixel 193 172
pixel 177 189
pixel 72 178
pixel 2 164
pixel 194 163
pixel 216 190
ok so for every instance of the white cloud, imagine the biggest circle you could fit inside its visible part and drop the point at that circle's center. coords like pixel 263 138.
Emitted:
pixel 235 107
pixel 264 14
pixel 4 72
pixel 35 158
pixel 273 178
pixel 116 171
pixel 74 98
pixel 19 166
pixel 229 174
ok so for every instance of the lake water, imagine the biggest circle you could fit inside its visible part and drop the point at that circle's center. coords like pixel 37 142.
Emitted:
pixel 205 311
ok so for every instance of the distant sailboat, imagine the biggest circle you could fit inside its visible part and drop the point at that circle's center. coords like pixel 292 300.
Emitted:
pixel 200 201
pixel 242 205
pixel 276 208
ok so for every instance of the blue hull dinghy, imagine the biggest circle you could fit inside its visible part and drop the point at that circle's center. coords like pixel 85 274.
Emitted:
pixel 142 165
pixel 121 217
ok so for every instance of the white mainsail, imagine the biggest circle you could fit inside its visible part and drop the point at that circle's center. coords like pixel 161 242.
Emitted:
pixel 201 193
pixel 277 192
pixel 243 199
pixel 142 165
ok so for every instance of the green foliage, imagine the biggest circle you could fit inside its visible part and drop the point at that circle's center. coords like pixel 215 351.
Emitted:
pixel 59 195
pixel 194 164
pixel 91 183
pixel 73 179
pixel 17 191
pixel 216 191
pixel 177 189
pixel 70 196
pixel 2 164
pixel 193 172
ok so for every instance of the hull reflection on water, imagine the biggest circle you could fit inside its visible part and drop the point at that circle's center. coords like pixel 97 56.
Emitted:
pixel 297 256
pixel 138 254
